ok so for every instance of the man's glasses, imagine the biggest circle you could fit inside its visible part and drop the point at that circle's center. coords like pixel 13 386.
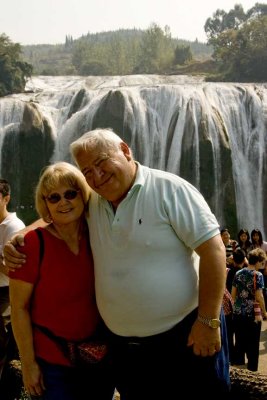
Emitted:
pixel 54 198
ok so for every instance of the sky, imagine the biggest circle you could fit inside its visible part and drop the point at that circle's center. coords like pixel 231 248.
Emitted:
pixel 49 21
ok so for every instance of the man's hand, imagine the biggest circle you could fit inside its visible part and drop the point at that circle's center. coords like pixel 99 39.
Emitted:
pixel 205 340
pixel 3 268
pixel 13 259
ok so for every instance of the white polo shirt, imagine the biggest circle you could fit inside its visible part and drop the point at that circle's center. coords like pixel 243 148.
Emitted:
pixel 8 227
pixel 145 268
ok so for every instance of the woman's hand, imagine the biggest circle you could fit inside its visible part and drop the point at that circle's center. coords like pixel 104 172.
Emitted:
pixel 33 379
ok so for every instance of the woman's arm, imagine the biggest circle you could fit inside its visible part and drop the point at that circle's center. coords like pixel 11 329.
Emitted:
pixel 233 293
pixel 260 299
pixel 20 298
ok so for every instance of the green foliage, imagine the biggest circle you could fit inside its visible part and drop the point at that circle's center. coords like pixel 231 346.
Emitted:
pixel 93 68
pixel 240 43
pixel 68 42
pixel 156 51
pixel 182 55
pixel 50 59
pixel 258 10
pixel 116 53
pixel 13 71
pixel 223 21
pixel 121 52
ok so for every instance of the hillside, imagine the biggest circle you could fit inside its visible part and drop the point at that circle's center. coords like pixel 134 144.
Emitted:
pixel 116 53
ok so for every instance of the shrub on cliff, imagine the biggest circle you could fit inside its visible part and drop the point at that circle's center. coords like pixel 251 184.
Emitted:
pixel 13 71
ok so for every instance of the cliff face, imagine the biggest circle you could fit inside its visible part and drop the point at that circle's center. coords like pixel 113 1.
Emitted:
pixel 213 135
pixel 26 148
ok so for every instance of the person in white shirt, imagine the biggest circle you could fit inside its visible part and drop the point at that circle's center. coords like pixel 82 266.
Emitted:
pixel 159 274
pixel 9 224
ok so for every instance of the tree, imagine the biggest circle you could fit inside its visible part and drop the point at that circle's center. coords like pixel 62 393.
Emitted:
pixel 240 43
pixel 260 9
pixel 182 55
pixel 13 71
pixel 249 59
pixel 156 51
pixel 68 42
pixel 223 21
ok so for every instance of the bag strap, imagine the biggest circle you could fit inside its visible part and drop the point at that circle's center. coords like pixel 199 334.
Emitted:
pixel 41 240
pixel 51 335
pixel 44 329
pixel 41 250
pixel 254 284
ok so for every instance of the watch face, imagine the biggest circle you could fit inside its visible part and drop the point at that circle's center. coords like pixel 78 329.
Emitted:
pixel 215 323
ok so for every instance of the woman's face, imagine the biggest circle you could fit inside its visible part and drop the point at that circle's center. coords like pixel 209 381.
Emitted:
pixel 225 237
pixel 65 204
pixel 256 237
pixel 243 237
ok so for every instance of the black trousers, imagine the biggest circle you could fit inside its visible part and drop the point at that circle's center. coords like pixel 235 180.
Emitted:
pixel 247 341
pixel 163 366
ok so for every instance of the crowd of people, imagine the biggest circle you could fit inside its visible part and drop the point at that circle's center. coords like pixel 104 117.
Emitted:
pixel 246 283
pixel 150 270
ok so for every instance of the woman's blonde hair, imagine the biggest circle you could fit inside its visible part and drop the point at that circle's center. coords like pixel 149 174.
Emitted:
pixel 60 173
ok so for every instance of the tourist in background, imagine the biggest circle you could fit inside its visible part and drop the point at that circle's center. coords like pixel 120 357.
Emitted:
pixel 258 242
pixel 9 224
pixel 228 312
pixel 247 287
pixel 238 261
pixel 243 239
pixel 230 244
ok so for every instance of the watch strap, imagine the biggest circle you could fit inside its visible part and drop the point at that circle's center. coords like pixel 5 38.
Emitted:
pixel 211 322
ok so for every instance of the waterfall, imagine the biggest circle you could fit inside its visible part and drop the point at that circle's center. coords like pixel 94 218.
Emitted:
pixel 212 134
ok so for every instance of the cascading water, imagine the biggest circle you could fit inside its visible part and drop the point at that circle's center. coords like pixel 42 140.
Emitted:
pixel 212 134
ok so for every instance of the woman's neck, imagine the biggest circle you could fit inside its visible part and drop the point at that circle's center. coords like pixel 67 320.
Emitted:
pixel 70 233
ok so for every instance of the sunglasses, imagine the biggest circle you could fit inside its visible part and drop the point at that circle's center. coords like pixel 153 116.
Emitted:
pixel 54 198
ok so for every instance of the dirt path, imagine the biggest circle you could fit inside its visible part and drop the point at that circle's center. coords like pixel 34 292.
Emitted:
pixel 263 351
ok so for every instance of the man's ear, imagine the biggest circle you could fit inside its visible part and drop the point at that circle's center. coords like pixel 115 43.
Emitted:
pixel 126 150
pixel 7 199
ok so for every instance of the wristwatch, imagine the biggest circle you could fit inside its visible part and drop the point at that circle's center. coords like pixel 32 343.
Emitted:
pixel 213 323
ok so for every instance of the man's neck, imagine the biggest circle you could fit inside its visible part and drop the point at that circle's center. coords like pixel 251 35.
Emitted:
pixel 116 203
pixel 3 215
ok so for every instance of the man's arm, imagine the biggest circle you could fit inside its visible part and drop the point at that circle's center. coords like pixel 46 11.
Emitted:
pixel 13 259
pixel 212 277
pixel 212 274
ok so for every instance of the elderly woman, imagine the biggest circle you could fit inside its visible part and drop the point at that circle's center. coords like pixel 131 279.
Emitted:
pixel 246 289
pixel 55 290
